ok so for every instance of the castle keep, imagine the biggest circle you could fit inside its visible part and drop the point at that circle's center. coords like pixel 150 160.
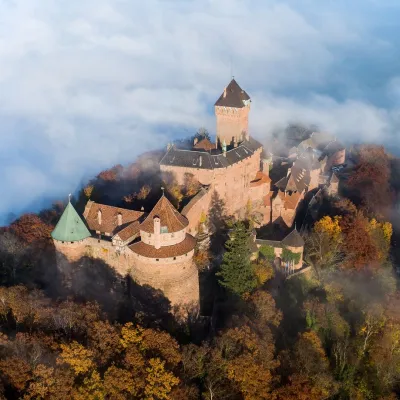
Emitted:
pixel 157 248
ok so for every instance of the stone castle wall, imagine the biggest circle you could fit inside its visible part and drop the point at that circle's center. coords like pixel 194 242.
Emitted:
pixel 166 239
pixel 231 123
pixel 177 279
pixel 232 184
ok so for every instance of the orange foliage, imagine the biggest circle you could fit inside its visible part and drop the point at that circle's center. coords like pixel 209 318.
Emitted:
pixel 358 244
pixel 371 177
pixel 110 175
pixel 30 228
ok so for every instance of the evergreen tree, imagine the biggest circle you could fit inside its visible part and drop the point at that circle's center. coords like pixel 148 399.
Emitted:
pixel 236 273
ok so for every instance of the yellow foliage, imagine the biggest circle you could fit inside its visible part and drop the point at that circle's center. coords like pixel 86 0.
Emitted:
pixel 131 335
pixel 159 382
pixel 176 192
pixel 88 190
pixel 387 229
pixel 334 293
pixel 203 217
pixel 329 226
pixel 263 272
pixel 79 358
pixel 91 389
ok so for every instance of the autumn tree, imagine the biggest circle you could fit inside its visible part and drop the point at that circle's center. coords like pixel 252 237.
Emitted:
pixel 31 229
pixel 79 358
pixel 88 190
pixel 159 382
pixel 237 274
pixel 144 192
pixel 112 174
pixel 371 177
pixel 202 133
pixel 358 245
pixel 103 340
pixel 191 185
pixel 323 246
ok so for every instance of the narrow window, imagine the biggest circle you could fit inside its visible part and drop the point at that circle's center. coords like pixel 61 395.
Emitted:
pixel 157 259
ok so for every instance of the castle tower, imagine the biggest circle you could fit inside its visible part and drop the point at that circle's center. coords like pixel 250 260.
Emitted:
pixel 163 258
pixel 232 114
pixel 70 233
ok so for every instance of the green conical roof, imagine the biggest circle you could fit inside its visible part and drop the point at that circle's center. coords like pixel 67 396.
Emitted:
pixel 70 227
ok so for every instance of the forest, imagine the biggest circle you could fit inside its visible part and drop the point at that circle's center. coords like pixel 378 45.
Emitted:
pixel 331 333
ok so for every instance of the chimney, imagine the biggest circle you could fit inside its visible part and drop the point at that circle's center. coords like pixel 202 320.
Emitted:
pixel 224 92
pixel 235 143
pixel 157 232
pixel 288 172
pixel 265 166
pixel 119 219
pixel 195 141
pixel 99 217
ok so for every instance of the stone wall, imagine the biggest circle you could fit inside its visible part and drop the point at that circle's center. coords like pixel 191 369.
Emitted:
pixel 232 123
pixel 166 239
pixel 193 211
pixel 178 279
pixel 232 184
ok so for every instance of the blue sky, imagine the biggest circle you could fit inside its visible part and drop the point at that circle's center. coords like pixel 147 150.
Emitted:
pixel 87 84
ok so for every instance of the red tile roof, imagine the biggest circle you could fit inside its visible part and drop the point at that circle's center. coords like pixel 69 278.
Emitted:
pixel 179 249
pixel 291 201
pixel 204 144
pixel 260 179
pixel 169 216
pixel 131 231
pixel 109 217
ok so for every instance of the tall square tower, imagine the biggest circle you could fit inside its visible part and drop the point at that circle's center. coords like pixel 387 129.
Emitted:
pixel 232 114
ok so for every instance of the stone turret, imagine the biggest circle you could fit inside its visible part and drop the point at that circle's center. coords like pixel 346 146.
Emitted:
pixel 70 234
pixel 163 258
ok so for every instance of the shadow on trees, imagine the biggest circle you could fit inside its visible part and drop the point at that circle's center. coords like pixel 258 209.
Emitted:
pixel 111 186
pixel 289 296
pixel 217 221
pixel 119 297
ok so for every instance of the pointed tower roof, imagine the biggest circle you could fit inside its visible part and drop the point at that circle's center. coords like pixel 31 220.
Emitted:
pixel 169 217
pixel 294 239
pixel 70 227
pixel 233 96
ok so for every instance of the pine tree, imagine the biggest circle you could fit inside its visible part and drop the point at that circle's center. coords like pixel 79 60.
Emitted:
pixel 236 273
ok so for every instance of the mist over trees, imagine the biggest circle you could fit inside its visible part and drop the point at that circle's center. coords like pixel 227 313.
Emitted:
pixel 334 333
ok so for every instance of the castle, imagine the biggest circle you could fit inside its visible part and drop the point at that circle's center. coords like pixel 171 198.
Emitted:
pixel 157 248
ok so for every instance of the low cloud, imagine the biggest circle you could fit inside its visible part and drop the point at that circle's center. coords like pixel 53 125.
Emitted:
pixel 91 83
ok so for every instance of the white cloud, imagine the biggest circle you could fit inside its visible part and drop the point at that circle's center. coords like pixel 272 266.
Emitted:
pixel 86 84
